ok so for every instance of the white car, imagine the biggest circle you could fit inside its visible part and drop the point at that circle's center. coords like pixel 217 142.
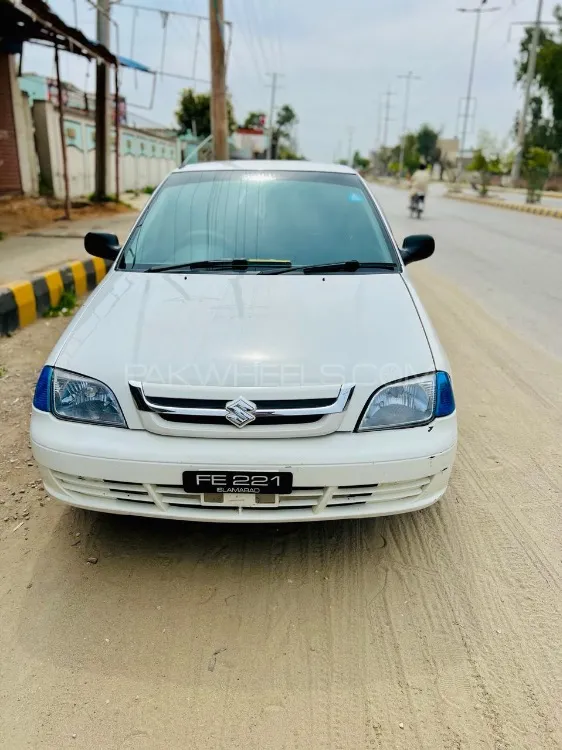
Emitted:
pixel 256 354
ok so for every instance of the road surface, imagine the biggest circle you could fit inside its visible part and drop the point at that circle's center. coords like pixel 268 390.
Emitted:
pixel 509 262
pixel 437 630
pixel 516 197
pixel 26 255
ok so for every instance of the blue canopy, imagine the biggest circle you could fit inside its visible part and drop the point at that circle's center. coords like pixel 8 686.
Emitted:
pixel 126 62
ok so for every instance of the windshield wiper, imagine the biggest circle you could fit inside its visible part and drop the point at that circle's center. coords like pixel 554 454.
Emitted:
pixel 344 265
pixel 237 264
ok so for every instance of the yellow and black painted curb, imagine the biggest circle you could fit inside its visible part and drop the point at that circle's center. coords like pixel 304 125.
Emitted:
pixel 22 302
pixel 555 213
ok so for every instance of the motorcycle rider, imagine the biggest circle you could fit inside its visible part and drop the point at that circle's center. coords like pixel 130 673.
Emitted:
pixel 419 182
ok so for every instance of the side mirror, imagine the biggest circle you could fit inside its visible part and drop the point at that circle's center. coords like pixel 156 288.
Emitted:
pixel 417 247
pixel 102 245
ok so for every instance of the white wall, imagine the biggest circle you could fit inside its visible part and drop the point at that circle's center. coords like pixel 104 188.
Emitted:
pixel 144 159
pixel 28 162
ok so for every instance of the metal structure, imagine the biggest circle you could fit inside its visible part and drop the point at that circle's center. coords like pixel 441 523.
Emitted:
pixel 481 9
pixel 408 77
pixel 531 67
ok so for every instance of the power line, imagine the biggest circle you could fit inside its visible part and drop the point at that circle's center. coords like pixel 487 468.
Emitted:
pixel 256 68
pixel 273 16
pixel 168 11
pixel 260 35
pixel 253 35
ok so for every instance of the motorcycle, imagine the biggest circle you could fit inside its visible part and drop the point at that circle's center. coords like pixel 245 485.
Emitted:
pixel 417 203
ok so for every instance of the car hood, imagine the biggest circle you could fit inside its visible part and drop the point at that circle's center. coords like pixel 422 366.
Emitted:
pixel 246 331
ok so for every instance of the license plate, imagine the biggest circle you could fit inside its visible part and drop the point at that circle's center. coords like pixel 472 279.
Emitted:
pixel 268 482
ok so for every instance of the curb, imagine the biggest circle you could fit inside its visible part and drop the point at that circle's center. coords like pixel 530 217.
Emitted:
pixel 23 302
pixel 555 213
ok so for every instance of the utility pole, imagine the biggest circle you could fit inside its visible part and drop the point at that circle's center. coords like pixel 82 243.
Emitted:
pixel 62 136
pixel 350 147
pixel 379 125
pixel 102 91
pixel 481 9
pixel 409 77
pixel 531 67
pixel 273 85
pixel 219 118
pixel 388 96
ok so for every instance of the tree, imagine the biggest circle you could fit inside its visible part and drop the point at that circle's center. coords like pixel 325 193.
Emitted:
pixel 360 162
pixel 285 152
pixel 548 76
pixel 255 120
pixel 486 167
pixel 411 153
pixel 383 158
pixel 540 131
pixel 536 164
pixel 427 144
pixel 282 132
pixel 286 118
pixel 195 109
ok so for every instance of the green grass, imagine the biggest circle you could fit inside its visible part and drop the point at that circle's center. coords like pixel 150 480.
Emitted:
pixel 149 189
pixel 3 371
pixel 66 305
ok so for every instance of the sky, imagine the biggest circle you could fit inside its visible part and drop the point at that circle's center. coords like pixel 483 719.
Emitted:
pixel 335 60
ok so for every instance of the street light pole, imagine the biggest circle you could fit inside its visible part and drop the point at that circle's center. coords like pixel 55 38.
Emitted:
pixel 409 77
pixel 531 67
pixel 387 117
pixel 481 9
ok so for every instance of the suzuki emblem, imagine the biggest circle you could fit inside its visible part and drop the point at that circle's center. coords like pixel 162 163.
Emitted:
pixel 240 412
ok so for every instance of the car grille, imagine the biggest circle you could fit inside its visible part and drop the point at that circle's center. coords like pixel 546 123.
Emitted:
pixel 193 416
pixel 258 421
pixel 196 403
pixel 163 495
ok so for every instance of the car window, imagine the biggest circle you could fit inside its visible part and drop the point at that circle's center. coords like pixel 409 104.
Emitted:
pixel 301 217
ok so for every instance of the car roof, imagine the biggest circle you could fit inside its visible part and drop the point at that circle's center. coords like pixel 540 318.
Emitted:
pixel 261 165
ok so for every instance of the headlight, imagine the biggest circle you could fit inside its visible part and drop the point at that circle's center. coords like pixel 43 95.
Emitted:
pixel 77 398
pixel 411 402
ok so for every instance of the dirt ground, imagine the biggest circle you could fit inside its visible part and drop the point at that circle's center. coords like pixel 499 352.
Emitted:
pixel 439 629
pixel 20 214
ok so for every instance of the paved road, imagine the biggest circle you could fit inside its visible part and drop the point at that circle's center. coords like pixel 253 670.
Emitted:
pixel 435 630
pixel 509 262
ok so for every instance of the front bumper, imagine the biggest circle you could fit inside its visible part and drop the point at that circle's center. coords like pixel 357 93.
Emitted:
pixel 343 475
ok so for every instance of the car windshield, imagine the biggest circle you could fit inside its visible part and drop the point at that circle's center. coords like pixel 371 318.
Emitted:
pixel 264 217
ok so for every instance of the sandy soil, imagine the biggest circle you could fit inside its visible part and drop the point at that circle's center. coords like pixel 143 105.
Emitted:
pixel 435 630
pixel 20 214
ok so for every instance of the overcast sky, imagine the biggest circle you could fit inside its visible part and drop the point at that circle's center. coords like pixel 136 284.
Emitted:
pixel 336 57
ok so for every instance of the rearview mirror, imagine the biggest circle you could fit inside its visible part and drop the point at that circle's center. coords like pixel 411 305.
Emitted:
pixel 417 247
pixel 102 245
